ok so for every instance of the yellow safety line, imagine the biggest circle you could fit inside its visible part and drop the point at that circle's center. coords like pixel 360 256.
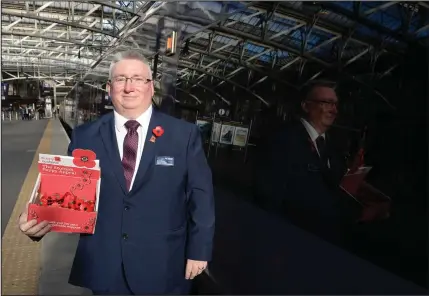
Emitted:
pixel 20 255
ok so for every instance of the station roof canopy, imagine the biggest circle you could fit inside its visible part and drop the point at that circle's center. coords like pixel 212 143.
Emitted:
pixel 65 41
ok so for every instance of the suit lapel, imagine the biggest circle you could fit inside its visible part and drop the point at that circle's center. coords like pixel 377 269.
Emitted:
pixel 305 138
pixel 108 135
pixel 149 151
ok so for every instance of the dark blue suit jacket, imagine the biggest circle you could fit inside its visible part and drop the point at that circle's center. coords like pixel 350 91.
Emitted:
pixel 295 183
pixel 167 217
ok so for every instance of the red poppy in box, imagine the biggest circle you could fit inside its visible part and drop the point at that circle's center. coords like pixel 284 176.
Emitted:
pixel 84 158
pixel 44 200
pixel 79 202
pixel 68 198
pixel 87 206
pixel 158 131
pixel 56 197
pixel 56 204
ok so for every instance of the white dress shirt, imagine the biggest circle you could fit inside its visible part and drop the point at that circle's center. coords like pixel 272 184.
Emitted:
pixel 121 132
pixel 313 135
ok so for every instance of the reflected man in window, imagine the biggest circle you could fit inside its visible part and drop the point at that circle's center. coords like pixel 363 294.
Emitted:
pixel 306 167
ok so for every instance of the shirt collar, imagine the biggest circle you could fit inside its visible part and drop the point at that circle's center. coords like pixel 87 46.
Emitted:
pixel 143 119
pixel 311 130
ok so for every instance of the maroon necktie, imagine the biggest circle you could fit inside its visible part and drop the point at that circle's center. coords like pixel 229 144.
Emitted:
pixel 130 151
pixel 321 147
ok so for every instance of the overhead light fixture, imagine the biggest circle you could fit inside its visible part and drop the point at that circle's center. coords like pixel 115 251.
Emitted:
pixel 170 45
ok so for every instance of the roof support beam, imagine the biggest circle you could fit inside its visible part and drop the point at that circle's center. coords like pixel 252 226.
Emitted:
pixel 254 39
pixel 198 84
pixel 46 49
pixel 227 80
pixel 118 7
pixel 36 11
pixel 245 64
pixel 365 21
pixel 326 26
pixel 63 40
pixel 44 58
pixel 51 20
pixel 380 7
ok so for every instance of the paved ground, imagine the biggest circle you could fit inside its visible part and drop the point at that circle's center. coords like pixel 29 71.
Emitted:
pixel 20 140
pixel 20 255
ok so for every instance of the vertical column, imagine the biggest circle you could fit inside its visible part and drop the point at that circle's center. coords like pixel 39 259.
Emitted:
pixel 169 74
pixel 55 98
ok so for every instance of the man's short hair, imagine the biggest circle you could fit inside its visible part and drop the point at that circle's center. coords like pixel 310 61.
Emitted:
pixel 310 86
pixel 129 54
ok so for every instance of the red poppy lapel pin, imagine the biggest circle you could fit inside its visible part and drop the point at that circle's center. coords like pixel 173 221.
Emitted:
pixel 157 132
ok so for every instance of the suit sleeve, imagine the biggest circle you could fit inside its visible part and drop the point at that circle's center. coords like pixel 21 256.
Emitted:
pixel 278 172
pixel 201 208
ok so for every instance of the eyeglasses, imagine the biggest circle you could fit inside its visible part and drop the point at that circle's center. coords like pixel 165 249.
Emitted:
pixel 136 80
pixel 326 103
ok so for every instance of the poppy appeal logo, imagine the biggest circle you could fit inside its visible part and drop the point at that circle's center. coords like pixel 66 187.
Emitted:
pixel 84 158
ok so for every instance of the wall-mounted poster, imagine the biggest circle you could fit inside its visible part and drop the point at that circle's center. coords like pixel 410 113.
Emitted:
pixel 240 136
pixel 226 134
pixel 216 132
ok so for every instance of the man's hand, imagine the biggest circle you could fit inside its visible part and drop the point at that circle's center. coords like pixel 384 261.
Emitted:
pixel 31 228
pixel 194 268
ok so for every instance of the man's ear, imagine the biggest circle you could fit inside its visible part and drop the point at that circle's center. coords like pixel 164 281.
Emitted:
pixel 304 106
pixel 152 89
pixel 108 88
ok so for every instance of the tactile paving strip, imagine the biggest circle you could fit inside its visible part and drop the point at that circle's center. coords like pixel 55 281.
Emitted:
pixel 20 255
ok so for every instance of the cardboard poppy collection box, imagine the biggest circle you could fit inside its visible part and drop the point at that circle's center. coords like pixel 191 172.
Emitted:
pixel 66 192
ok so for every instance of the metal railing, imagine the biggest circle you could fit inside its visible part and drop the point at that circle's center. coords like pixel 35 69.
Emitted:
pixel 15 115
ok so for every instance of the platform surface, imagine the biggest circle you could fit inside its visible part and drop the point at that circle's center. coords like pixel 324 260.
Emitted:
pixel 20 140
pixel 20 255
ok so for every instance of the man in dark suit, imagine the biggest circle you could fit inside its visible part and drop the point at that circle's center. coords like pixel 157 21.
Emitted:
pixel 305 168
pixel 155 222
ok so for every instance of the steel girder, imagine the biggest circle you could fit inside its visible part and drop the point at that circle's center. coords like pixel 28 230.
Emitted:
pixel 341 39
pixel 78 32
pixel 267 39
pixel 295 54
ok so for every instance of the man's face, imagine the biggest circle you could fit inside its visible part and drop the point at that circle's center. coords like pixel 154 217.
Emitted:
pixel 130 97
pixel 321 107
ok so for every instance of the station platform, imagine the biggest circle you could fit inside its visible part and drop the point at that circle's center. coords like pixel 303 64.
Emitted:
pixel 31 268
pixel 254 252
